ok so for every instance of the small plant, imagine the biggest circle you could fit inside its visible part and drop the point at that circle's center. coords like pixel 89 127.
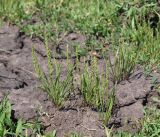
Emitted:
pixel 57 89
pixel 105 115
pixel 10 127
pixel 7 126
pixel 124 63
pixel 108 132
pixel 91 87
pixel 95 91
pixel 51 134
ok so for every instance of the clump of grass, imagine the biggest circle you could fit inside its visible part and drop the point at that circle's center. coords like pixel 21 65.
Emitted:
pixel 95 91
pixel 124 63
pixel 9 127
pixel 57 89
pixel 144 45
pixel 148 49
pixel 12 10
pixel 106 114
pixel 91 85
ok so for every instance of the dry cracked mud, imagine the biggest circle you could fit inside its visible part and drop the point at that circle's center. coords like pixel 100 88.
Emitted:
pixel 17 78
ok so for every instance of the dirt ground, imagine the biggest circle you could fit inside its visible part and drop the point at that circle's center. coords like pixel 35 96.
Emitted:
pixel 18 79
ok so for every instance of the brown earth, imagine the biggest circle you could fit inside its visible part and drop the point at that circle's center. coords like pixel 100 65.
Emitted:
pixel 17 77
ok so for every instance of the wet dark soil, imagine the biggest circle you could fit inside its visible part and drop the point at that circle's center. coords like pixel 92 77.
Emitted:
pixel 18 79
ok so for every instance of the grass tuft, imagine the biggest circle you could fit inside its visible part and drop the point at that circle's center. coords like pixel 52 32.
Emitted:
pixel 57 89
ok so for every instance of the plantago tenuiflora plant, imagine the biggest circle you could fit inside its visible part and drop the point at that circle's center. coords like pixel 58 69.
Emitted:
pixel 57 89
pixel 95 90
pixel 90 85
pixel 124 63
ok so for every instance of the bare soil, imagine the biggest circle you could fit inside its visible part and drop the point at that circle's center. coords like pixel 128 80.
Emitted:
pixel 17 78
